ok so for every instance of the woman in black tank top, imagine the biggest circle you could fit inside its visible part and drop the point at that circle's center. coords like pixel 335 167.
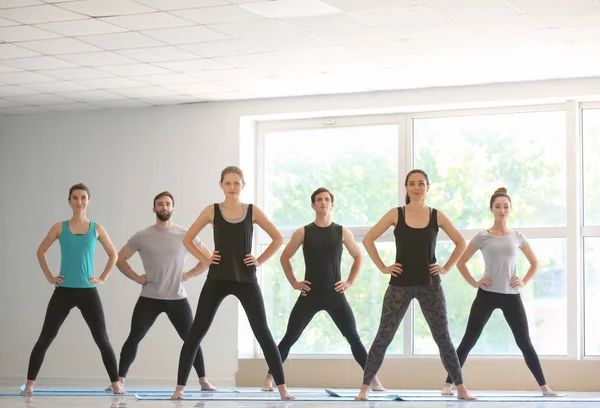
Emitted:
pixel 232 272
pixel 414 275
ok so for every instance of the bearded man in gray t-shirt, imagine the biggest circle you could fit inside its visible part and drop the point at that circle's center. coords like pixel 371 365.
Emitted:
pixel 163 256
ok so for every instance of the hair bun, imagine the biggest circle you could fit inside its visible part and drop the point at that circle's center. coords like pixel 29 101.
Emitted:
pixel 502 190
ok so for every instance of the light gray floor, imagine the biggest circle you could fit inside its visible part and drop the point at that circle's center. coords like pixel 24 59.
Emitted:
pixel 130 401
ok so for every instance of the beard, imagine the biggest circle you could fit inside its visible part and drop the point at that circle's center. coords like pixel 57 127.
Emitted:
pixel 165 216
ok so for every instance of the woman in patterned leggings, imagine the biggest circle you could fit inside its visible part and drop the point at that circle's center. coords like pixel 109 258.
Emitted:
pixel 415 275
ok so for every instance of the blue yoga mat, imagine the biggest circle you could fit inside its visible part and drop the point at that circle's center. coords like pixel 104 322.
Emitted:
pixel 502 399
pixel 129 391
pixel 434 394
pixel 262 398
pixel 62 394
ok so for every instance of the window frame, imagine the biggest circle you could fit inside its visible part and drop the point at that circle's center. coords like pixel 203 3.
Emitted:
pixel 573 231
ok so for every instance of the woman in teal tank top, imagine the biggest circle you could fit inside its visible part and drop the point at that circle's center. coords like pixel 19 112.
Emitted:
pixel 75 285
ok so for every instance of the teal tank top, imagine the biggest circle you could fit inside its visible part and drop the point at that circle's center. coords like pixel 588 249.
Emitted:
pixel 77 256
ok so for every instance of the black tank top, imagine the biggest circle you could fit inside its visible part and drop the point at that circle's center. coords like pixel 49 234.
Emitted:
pixel 322 257
pixel 234 242
pixel 415 250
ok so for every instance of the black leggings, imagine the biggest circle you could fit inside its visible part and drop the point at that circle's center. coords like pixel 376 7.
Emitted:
pixel 145 313
pixel 433 305
pixel 249 295
pixel 514 312
pixel 337 306
pixel 62 301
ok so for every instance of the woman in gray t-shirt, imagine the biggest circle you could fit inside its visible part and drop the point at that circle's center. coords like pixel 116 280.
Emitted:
pixel 499 287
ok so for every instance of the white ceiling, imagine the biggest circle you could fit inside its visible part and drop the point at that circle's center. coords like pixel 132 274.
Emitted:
pixel 58 55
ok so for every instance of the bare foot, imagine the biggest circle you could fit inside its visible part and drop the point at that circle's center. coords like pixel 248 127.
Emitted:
pixel 546 391
pixel 268 384
pixel 205 385
pixel 121 383
pixel 284 393
pixel 178 394
pixel 117 388
pixel 376 385
pixel 363 395
pixel 28 388
pixel 447 389
pixel 463 393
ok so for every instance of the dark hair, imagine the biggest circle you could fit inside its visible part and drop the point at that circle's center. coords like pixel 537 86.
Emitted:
pixel 319 191
pixel 79 186
pixel 410 173
pixel 232 169
pixel 501 192
pixel 163 194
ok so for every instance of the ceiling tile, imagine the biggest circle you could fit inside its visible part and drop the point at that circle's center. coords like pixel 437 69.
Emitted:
pixel 254 29
pixel 182 4
pixel 11 90
pixel 107 8
pixel 226 75
pixel 15 51
pixel 198 88
pixel 24 33
pixel 121 41
pixel 39 63
pixel 186 35
pixel 144 91
pixel 213 15
pixel 71 107
pixel 291 8
pixel 19 78
pixel 480 9
pixel 6 4
pixel 57 87
pixel 72 74
pixel 148 21
pixel 6 68
pixel 44 99
pixel 358 5
pixel 39 14
pixel 158 54
pixel 93 95
pixel 134 70
pixel 59 46
pixel 123 103
pixel 6 23
pixel 553 7
pixel 109 83
pixel 171 100
pixel 202 64
pixel 81 27
pixel 398 15
pixel 167 79
pixel 97 59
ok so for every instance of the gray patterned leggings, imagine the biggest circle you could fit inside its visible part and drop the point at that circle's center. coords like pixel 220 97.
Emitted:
pixel 433 305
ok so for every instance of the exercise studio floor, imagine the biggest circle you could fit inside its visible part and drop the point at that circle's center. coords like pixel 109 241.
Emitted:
pixel 251 397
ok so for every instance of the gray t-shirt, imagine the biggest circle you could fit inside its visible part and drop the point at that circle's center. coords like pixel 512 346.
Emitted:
pixel 163 256
pixel 500 257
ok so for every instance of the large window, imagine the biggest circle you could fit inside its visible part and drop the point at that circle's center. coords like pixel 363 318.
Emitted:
pixel 467 155
pixel 591 216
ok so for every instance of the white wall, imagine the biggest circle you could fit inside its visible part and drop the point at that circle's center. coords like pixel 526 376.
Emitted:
pixel 126 157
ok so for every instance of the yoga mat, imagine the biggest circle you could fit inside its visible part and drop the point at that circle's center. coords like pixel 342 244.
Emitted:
pixel 257 398
pixel 129 391
pixel 501 399
pixel 434 394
